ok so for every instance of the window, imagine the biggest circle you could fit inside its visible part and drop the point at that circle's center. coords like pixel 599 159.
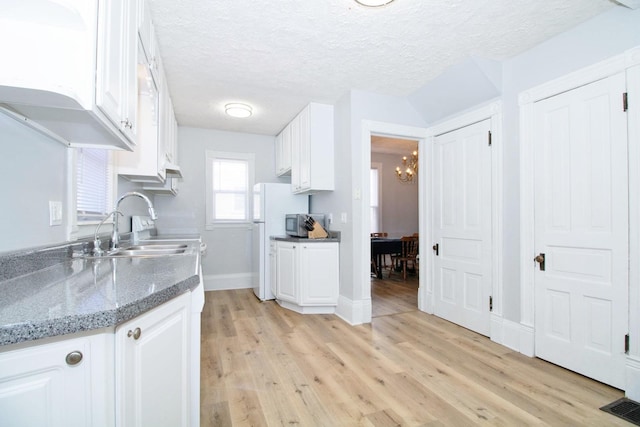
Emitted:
pixel 93 184
pixel 229 185
pixel 374 196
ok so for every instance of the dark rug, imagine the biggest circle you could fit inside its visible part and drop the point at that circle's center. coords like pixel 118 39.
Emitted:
pixel 626 409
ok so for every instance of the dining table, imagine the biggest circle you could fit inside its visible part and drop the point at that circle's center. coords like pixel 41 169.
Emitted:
pixel 382 246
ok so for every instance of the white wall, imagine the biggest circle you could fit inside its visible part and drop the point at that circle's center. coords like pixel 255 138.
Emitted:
pixel 399 201
pixel 349 112
pixel 228 259
pixel 33 172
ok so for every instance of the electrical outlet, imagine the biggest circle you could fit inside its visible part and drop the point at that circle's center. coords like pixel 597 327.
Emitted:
pixel 55 212
pixel 343 217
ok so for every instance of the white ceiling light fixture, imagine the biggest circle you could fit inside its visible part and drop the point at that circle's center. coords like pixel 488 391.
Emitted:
pixel 238 110
pixel 373 3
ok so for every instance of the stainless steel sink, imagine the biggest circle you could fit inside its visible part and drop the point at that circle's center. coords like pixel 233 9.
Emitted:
pixel 147 250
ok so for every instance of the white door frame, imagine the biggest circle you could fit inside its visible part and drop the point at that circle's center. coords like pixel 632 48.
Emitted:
pixel 370 128
pixel 425 138
pixel 614 65
pixel 493 112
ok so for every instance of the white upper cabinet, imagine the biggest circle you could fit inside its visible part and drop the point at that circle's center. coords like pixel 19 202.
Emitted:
pixel 312 161
pixel 283 152
pixel 116 77
pixel 154 160
pixel 68 69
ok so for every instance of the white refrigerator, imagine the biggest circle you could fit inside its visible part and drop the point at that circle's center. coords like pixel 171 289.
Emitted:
pixel 271 202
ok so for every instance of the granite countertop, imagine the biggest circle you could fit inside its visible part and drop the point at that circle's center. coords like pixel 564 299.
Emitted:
pixel 68 294
pixel 334 236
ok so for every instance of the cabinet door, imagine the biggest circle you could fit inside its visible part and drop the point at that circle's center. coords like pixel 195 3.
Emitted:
pixel 273 267
pixel 152 375
pixel 304 142
pixel 283 152
pixel 286 271
pixel 116 86
pixel 319 273
pixel 48 385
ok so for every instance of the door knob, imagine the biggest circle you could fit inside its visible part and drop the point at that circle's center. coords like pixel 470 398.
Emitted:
pixel 540 259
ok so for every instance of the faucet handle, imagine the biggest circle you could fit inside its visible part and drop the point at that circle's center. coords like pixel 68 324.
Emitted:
pixel 97 251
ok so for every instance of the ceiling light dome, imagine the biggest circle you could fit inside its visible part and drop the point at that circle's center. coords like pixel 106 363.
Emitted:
pixel 238 110
pixel 373 3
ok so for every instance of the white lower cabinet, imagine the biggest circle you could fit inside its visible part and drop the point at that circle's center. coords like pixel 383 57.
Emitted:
pixel 308 276
pixel 152 370
pixel 69 381
pixel 59 383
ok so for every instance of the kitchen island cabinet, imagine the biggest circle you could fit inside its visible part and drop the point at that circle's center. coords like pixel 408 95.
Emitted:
pixel 307 275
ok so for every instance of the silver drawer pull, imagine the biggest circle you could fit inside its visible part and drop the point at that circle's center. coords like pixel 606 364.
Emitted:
pixel 135 333
pixel 73 358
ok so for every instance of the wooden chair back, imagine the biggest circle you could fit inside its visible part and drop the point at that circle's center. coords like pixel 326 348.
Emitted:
pixel 379 235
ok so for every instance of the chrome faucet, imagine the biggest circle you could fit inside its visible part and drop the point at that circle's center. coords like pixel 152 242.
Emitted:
pixel 115 237
pixel 97 251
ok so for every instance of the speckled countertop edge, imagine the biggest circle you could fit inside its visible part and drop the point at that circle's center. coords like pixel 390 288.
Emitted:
pixel 29 329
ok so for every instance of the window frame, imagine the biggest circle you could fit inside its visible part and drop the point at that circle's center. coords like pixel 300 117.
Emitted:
pixel 81 229
pixel 211 156
pixel 377 166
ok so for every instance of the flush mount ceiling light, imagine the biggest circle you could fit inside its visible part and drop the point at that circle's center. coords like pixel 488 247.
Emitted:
pixel 238 110
pixel 373 3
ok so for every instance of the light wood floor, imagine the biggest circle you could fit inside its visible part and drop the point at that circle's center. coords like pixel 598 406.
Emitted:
pixel 263 365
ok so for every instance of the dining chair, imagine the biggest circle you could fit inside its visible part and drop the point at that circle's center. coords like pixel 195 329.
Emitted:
pixel 378 235
pixel 408 255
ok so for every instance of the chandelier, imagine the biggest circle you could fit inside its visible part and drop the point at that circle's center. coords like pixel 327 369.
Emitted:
pixel 409 170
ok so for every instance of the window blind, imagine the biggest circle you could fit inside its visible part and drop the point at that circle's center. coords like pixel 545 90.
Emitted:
pixel 93 184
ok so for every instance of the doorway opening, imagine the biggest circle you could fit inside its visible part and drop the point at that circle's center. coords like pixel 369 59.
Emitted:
pixel 394 214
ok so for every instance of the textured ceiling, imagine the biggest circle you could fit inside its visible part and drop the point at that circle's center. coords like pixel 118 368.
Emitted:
pixel 280 55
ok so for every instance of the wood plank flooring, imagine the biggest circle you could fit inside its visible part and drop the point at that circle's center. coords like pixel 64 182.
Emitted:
pixel 263 365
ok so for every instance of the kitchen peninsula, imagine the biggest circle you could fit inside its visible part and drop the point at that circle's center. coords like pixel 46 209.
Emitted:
pixel 100 340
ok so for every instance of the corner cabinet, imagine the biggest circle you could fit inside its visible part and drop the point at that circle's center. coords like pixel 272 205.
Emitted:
pixel 307 278
pixel 64 383
pixel 305 150
pixel 152 367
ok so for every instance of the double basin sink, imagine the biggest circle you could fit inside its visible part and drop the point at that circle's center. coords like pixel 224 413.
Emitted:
pixel 149 249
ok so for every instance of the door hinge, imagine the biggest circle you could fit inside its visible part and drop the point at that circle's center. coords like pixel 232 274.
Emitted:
pixel 625 101
pixel 489 138
pixel 626 344
pixel 490 303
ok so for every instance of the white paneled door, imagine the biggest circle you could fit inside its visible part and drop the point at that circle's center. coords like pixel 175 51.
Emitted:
pixel 581 230
pixel 462 226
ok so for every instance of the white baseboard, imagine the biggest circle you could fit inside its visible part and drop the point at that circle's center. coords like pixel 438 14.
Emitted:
pixel 354 312
pixel 632 385
pixel 513 335
pixel 220 282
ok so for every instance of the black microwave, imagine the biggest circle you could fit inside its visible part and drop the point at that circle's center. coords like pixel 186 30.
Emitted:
pixel 295 225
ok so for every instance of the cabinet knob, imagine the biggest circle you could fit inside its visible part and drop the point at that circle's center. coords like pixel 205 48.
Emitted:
pixel 135 333
pixel 73 358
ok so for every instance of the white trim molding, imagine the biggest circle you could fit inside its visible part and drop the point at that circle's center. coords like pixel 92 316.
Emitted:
pixel 354 312
pixel 628 62
pixel 359 311
pixel 220 282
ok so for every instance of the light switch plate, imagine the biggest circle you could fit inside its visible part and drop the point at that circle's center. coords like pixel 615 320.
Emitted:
pixel 55 212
